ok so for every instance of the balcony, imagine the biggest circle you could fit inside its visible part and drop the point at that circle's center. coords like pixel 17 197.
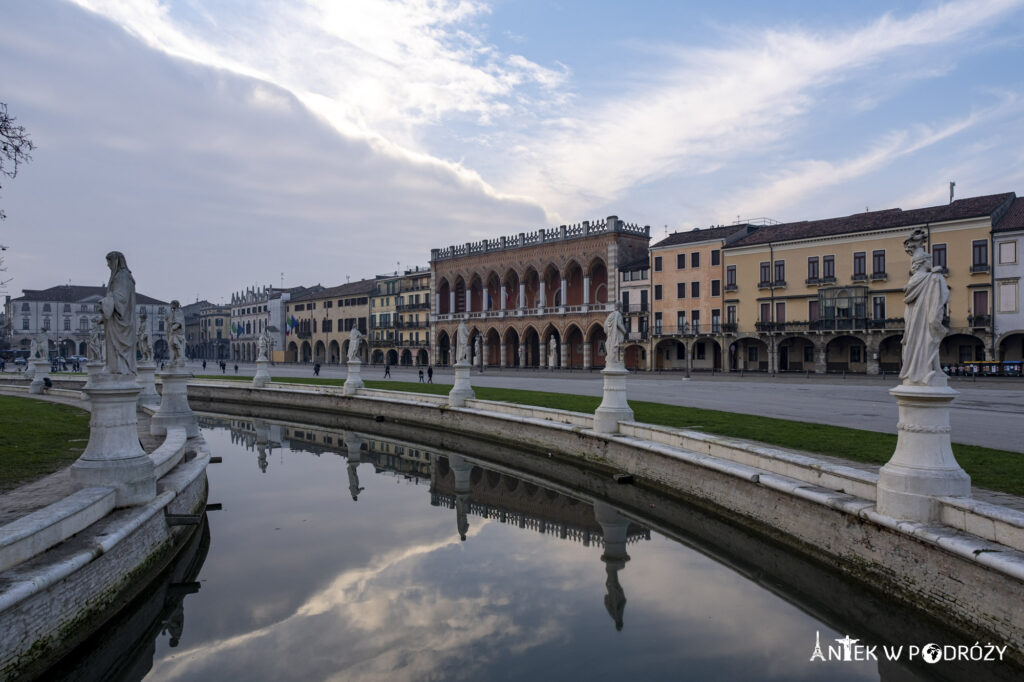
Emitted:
pixel 812 281
pixel 764 284
pixel 859 277
pixel 779 284
pixel 638 308
pixel 879 276
pixel 425 305
pixel 828 279
pixel 979 321
pixel 732 287
pixel 980 268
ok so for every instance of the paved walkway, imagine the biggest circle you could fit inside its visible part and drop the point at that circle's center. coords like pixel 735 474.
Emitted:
pixel 987 412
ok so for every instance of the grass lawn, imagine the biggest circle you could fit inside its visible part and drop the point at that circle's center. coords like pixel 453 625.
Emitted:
pixel 38 438
pixel 989 468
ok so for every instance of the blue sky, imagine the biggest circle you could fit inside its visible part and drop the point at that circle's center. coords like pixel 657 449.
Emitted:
pixel 255 142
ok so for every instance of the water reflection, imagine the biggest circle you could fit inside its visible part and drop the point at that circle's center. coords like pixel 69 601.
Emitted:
pixel 337 556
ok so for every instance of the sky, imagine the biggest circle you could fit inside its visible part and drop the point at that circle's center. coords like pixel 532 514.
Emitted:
pixel 235 143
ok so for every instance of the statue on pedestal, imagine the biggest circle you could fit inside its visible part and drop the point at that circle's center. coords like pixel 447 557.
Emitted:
pixel 926 296
pixel 615 332
pixel 145 348
pixel 118 309
pixel 94 350
pixel 33 351
pixel 355 337
pixel 462 348
pixel 552 353
pixel 176 334
pixel 480 349
pixel 261 346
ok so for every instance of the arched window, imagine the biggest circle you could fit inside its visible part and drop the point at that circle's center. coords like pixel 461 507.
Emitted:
pixel 25 308
pixel 46 307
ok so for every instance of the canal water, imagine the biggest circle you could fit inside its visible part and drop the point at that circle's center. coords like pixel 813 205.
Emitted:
pixel 343 555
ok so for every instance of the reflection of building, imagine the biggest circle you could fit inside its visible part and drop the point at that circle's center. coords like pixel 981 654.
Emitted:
pixel 400 319
pixel 64 314
pixel 518 293
pixel 826 295
pixel 319 322
pixel 1008 252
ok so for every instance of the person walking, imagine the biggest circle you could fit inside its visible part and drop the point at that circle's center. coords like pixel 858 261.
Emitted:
pixel 236 368
pixel 387 370
pixel 316 369
pixel 204 365
pixel 421 376
pixel 430 374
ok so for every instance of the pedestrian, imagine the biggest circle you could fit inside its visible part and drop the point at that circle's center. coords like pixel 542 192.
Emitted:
pixel 316 369
pixel 236 368
pixel 430 374
pixel 204 365
pixel 421 376
pixel 387 370
pixel 223 367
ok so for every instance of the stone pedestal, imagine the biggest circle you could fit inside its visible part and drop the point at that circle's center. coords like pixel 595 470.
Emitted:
pixel 174 409
pixel 30 370
pixel 462 390
pixel 40 371
pixel 92 369
pixel 114 458
pixel 354 381
pixel 923 467
pixel 145 373
pixel 262 377
pixel 614 407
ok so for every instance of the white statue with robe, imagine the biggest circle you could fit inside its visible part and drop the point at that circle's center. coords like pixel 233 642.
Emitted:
pixel 480 350
pixel 33 349
pixel 94 350
pixel 462 348
pixel 262 345
pixel 552 353
pixel 118 310
pixel 176 334
pixel 926 296
pixel 615 332
pixel 145 348
pixel 355 337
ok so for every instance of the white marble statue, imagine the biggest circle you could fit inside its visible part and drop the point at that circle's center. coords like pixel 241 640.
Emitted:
pixel 261 347
pixel 145 348
pixel 615 333
pixel 462 347
pixel 552 352
pixel 33 350
pixel 926 296
pixel 355 337
pixel 175 319
pixel 94 350
pixel 118 309
pixel 480 349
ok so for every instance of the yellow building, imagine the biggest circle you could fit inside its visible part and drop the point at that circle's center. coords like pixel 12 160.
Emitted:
pixel 400 318
pixel 319 322
pixel 826 295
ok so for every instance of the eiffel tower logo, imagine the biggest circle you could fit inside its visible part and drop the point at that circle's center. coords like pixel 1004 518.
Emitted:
pixel 817 655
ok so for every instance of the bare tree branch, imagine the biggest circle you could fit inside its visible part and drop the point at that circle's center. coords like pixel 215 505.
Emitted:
pixel 15 146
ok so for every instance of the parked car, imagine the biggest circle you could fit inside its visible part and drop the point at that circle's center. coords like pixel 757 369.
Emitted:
pixel 20 361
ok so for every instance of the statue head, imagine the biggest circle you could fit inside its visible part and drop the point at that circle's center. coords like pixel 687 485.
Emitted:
pixel 116 261
pixel 175 305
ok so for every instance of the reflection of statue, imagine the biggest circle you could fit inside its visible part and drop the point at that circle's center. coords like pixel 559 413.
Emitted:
pixel 176 334
pixel 145 349
pixel 552 352
pixel 353 481
pixel 615 599
pixel 355 337
pixel 261 345
pixel 261 458
pixel 461 519
pixel 926 296
pixel 118 308
pixel 94 351
pixel 462 348
pixel 615 332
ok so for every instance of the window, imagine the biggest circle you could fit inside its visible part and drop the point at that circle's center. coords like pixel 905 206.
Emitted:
pixel 780 271
pixel 160 325
pixel 694 289
pixel 855 354
pixel 730 314
pixel 828 268
pixel 751 353
pixel 812 310
pixel 67 324
pixel 657 323
pixel 716 320
pixel 24 323
pixel 878 307
pixel 859 264
pixel 657 263
pixel 1007 253
pixel 25 308
pixel 878 262
pixel 766 312
pixel 716 287
pixel 716 257
pixel 67 307
pixel 680 261
pixel 939 256
pixel 657 292
pixel 695 259
pixel 680 289
pixel 766 272
pixel 681 320
pixel 695 321
pixel 780 311
pixel 979 255
pixel 812 269
pixel 980 303
pixel 1008 297
pixel 625 301
pixel 730 275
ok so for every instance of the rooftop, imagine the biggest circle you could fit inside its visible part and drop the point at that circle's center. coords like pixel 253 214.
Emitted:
pixel 363 286
pixel 74 293
pixel 1014 218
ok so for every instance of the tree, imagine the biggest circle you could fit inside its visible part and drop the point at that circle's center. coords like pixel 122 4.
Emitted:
pixel 15 146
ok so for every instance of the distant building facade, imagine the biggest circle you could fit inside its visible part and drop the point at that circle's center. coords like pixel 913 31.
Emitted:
pixel 320 321
pixel 1008 248
pixel 400 319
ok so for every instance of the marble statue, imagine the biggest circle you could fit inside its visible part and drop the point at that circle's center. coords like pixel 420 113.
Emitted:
pixel 926 296
pixel 615 332
pixel 33 351
pixel 261 346
pixel 552 352
pixel 462 348
pixel 94 351
pixel 355 337
pixel 145 348
pixel 480 349
pixel 176 334
pixel 118 309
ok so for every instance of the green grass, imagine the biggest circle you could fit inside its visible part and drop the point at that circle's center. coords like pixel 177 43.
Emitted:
pixel 989 468
pixel 38 438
